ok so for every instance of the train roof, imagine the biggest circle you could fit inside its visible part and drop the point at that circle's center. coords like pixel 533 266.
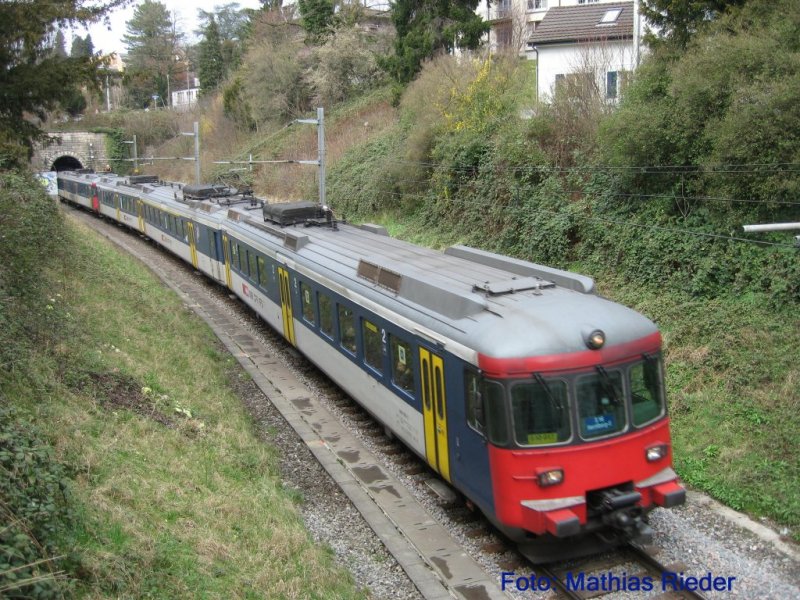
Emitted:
pixel 493 304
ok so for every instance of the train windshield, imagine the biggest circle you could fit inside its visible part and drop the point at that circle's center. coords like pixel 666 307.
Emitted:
pixel 540 412
pixel 594 404
pixel 601 403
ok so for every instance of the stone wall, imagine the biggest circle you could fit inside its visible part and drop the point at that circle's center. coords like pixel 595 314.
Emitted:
pixel 87 148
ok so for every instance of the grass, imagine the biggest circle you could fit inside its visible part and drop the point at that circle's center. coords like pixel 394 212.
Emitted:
pixel 176 494
pixel 732 381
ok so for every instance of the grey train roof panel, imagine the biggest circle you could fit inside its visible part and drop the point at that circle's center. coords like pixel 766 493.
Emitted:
pixel 495 305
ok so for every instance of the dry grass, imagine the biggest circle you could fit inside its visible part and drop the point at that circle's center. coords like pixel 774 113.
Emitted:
pixel 194 509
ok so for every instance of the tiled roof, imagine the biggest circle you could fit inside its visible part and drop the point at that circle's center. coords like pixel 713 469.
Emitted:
pixel 581 23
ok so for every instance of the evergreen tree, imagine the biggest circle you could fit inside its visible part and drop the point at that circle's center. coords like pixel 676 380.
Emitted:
pixel 678 20
pixel 210 64
pixel 81 46
pixel 34 77
pixel 152 42
pixel 427 27
pixel 316 17
pixel 233 25
pixel 60 46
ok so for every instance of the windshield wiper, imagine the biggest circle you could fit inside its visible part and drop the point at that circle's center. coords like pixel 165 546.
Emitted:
pixel 608 385
pixel 544 385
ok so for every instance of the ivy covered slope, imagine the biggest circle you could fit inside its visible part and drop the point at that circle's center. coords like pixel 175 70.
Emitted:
pixel 649 197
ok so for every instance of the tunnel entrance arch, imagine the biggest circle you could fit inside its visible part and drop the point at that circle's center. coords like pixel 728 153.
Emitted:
pixel 66 163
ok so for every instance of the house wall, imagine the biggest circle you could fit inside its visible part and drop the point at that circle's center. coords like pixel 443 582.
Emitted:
pixel 184 99
pixel 563 59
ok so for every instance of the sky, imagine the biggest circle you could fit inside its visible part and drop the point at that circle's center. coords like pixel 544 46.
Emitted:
pixel 108 41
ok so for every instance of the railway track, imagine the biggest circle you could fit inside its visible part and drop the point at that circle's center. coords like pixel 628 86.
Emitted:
pixel 610 575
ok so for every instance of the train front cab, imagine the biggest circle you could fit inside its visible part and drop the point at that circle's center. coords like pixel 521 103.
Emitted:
pixel 582 449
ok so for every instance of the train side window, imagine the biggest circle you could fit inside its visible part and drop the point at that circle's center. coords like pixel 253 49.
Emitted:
pixel 307 297
pixel 235 255
pixel 251 257
pixel 402 365
pixel 347 329
pixel 263 277
pixel 647 391
pixel 326 315
pixel 373 346
pixel 164 221
pixel 474 406
pixel 242 260
pixel 496 413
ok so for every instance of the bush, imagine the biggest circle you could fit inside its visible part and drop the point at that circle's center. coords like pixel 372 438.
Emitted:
pixel 345 66
pixel 35 510
pixel 33 238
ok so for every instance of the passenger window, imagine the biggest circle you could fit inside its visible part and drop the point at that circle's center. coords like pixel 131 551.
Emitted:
pixel 253 266
pixel 496 416
pixel 646 391
pixel 473 400
pixel 235 255
pixel 242 259
pixel 373 347
pixel 307 296
pixel 262 272
pixel 402 365
pixel 347 329
pixel 326 315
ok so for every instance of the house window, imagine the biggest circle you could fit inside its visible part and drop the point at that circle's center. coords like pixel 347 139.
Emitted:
pixel 503 37
pixel 610 17
pixel 612 84
pixel 537 4
pixel 588 1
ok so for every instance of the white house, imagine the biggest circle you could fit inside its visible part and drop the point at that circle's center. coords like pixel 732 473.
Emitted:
pixel 596 42
pixel 514 21
pixel 185 99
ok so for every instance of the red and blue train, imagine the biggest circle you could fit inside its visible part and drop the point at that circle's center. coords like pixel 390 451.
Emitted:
pixel 538 400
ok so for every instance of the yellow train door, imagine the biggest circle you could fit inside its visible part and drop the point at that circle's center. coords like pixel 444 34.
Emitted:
pixel 140 215
pixel 286 305
pixel 434 410
pixel 226 250
pixel 192 244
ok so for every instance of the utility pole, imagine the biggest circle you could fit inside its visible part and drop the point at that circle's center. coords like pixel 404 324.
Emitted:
pixel 774 227
pixel 320 123
pixel 196 135
pixel 135 153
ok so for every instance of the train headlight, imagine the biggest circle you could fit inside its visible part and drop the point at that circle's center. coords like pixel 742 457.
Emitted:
pixel 596 339
pixel 549 476
pixel 657 452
